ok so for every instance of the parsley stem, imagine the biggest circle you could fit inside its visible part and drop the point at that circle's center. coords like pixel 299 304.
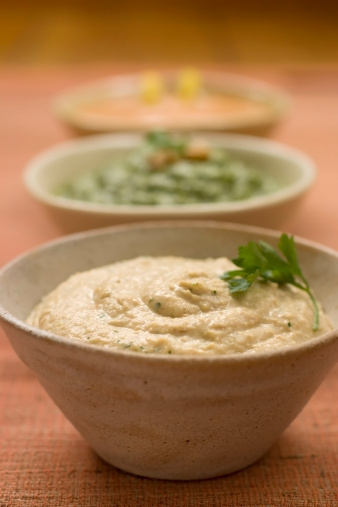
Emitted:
pixel 306 289
pixel 316 315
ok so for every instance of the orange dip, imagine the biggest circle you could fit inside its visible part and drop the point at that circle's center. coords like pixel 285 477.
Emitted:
pixel 213 109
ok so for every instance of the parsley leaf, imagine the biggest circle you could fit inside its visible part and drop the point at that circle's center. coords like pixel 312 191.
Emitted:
pixel 261 260
pixel 161 140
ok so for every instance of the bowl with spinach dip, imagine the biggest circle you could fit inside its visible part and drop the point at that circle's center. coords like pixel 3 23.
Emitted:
pixel 119 178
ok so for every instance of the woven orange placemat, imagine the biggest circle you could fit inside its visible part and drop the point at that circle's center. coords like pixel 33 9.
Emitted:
pixel 43 460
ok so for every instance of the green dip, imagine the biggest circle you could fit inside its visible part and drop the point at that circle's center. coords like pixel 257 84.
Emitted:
pixel 167 170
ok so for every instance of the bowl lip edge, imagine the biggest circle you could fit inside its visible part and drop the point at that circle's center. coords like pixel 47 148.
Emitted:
pixel 240 357
pixel 36 333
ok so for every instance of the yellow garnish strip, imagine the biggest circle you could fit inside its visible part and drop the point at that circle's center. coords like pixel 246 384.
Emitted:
pixel 189 84
pixel 152 87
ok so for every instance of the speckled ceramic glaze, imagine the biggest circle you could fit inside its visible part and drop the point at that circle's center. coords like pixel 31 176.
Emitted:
pixel 169 417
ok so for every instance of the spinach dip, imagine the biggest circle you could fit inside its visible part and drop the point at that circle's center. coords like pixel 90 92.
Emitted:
pixel 170 170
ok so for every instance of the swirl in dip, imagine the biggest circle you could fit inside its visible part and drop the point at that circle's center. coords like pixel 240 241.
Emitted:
pixel 175 305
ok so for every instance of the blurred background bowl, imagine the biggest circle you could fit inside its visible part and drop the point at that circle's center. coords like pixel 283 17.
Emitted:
pixel 167 416
pixel 227 102
pixel 55 166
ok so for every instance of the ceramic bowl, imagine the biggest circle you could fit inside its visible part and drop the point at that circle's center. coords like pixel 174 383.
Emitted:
pixel 114 104
pixel 295 171
pixel 167 416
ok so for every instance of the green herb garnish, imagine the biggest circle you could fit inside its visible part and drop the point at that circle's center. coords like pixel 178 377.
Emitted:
pixel 261 260
pixel 161 140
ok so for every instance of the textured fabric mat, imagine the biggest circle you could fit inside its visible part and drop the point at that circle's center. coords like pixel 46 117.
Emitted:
pixel 43 460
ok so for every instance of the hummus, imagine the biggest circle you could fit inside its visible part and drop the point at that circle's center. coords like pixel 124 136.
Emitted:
pixel 174 305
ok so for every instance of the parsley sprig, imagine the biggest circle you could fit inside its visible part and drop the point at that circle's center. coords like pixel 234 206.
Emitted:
pixel 161 140
pixel 261 260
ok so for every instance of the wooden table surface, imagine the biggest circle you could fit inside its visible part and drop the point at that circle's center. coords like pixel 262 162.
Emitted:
pixel 43 460
pixel 35 32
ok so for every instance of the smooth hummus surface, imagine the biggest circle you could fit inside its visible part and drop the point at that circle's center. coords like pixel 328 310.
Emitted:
pixel 174 305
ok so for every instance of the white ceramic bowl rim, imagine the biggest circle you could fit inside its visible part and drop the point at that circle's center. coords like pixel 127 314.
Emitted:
pixel 244 143
pixel 246 358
